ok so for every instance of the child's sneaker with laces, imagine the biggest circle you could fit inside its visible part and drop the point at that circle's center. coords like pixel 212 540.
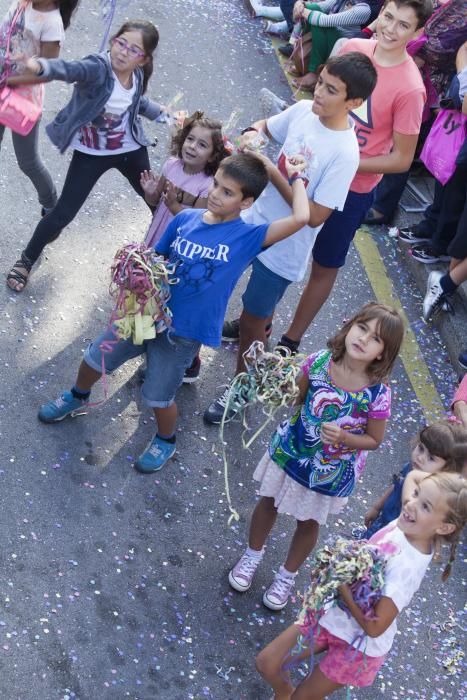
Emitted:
pixel 277 595
pixel 157 453
pixel 65 405
pixel 218 408
pixel 241 576
pixel 409 234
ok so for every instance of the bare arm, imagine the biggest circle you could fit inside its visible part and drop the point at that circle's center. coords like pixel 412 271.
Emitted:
pixel 283 228
pixel 371 439
pixel 398 161
pixel 385 612
pixel 411 482
pixel 317 213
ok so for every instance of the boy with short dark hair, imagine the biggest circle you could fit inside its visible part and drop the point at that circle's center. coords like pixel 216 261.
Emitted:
pixel 210 249
pixel 388 124
pixel 324 132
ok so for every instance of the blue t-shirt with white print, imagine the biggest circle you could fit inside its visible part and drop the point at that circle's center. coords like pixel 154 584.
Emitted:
pixel 210 259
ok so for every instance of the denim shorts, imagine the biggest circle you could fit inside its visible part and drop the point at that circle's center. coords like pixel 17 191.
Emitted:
pixel 167 357
pixel 264 291
pixel 333 241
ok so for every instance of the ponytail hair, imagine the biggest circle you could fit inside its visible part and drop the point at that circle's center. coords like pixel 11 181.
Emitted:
pixel 454 488
pixel 66 9
pixel 150 37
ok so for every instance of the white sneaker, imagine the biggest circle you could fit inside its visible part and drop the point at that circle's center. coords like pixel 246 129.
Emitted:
pixel 271 104
pixel 277 28
pixel 434 295
pixel 277 595
pixel 241 576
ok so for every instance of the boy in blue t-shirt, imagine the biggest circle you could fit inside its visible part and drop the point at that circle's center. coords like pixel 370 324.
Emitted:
pixel 211 249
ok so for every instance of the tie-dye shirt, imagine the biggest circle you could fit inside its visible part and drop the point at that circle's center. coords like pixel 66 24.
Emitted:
pixel 296 445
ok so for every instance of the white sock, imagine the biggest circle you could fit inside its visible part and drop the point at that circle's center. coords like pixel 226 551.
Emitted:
pixel 277 27
pixel 285 572
pixel 255 553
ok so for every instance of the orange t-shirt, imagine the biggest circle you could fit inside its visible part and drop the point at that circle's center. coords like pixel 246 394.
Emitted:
pixel 396 104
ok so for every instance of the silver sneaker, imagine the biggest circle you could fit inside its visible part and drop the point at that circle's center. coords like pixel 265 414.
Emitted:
pixel 241 576
pixel 277 595
pixel 434 296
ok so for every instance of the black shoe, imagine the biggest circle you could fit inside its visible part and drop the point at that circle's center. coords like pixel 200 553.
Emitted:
pixel 231 331
pixel 286 50
pixel 409 235
pixel 287 347
pixel 462 359
pixel 214 412
pixel 374 219
pixel 424 253
pixel 192 373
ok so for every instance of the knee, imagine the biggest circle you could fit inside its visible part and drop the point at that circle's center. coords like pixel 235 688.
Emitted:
pixel 251 325
pixel 307 527
pixel 268 504
pixel 265 664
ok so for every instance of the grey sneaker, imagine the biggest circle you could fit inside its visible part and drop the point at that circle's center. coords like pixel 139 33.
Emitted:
pixel 271 103
pixel 241 576
pixel 277 595
pixel 231 331
pixel 424 253
pixel 434 296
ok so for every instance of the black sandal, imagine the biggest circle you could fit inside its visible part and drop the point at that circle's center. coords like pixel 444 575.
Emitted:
pixel 16 276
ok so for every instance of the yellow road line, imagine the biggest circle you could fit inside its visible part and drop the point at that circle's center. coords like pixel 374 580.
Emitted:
pixel 411 356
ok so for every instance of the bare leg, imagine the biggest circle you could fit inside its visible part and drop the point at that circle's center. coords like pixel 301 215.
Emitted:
pixel 303 541
pixel 87 377
pixel 314 295
pixel 458 272
pixel 262 521
pixel 166 420
pixel 270 661
pixel 315 687
pixel 251 328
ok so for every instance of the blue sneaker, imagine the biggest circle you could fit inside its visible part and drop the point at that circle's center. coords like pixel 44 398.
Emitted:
pixel 157 453
pixel 65 405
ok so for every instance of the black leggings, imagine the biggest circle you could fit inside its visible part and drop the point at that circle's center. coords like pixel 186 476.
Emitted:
pixel 83 173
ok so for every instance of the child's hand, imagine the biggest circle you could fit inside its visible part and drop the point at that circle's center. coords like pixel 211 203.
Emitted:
pixel 149 182
pixel 295 164
pixel 170 198
pixel 247 141
pixel 298 10
pixel 331 434
pixel 370 516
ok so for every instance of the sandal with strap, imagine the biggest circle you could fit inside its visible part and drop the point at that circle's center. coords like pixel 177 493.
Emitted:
pixel 16 276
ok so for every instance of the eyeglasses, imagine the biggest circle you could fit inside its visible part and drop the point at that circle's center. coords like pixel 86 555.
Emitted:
pixel 132 51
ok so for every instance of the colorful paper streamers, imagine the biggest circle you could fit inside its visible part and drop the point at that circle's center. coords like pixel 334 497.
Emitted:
pixel 141 286
pixel 269 380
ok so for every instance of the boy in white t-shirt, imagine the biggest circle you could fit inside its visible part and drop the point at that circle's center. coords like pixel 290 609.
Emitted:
pixel 323 132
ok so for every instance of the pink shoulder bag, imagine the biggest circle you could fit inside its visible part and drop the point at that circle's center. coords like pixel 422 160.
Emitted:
pixel 19 111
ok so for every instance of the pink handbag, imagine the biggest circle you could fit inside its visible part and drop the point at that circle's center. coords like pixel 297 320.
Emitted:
pixel 20 107
pixel 443 144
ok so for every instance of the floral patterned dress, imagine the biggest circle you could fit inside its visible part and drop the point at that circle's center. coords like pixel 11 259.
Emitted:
pixel 323 472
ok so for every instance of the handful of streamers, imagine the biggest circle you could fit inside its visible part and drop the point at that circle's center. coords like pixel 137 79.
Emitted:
pixel 270 380
pixel 361 565
pixel 141 286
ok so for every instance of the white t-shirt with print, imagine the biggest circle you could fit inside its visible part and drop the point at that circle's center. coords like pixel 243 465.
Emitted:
pixel 403 575
pixel 109 132
pixel 332 163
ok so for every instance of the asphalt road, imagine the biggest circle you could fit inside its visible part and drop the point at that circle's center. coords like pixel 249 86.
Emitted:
pixel 114 585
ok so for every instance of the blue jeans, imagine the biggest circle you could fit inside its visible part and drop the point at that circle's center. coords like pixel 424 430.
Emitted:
pixel 287 10
pixel 167 358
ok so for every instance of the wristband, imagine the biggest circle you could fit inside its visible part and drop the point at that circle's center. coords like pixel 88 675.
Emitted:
pixel 249 128
pixel 297 176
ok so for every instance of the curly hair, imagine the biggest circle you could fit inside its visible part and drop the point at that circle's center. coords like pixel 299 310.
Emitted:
pixel 390 329
pixel 219 151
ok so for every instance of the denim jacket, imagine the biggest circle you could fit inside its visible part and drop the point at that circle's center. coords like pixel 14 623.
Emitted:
pixel 94 83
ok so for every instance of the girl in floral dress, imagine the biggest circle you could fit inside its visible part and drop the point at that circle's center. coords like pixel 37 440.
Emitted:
pixel 315 458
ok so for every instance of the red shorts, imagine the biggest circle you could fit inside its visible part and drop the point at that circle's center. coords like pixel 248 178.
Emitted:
pixel 344 664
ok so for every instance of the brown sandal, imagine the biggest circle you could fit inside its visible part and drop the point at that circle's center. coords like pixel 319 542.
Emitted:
pixel 16 276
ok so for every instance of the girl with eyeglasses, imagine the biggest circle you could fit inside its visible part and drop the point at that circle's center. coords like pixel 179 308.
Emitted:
pixel 100 123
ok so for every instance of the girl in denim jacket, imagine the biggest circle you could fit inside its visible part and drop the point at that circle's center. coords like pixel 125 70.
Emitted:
pixel 101 123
